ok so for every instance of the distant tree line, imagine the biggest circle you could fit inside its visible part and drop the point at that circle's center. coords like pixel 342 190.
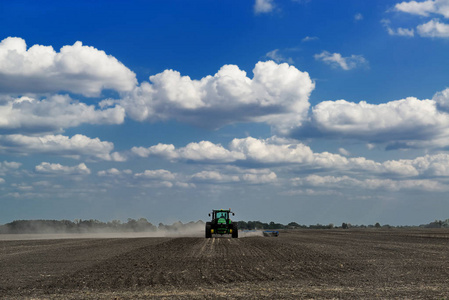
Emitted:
pixel 434 224
pixel 142 225
pixel 437 224
pixel 254 225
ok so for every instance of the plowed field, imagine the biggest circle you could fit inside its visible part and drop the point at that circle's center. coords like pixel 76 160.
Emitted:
pixel 298 264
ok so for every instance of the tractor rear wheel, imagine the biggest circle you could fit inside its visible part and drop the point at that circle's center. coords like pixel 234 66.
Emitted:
pixel 235 231
pixel 208 230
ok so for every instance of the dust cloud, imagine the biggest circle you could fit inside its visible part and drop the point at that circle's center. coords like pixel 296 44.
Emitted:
pixel 177 229
pixel 172 231
pixel 250 233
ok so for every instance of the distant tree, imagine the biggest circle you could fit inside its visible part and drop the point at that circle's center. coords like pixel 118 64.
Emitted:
pixel 144 225
pixel 434 224
pixel 131 225
pixel 344 225
pixel 445 223
pixel 274 225
pixel 320 226
pixel 242 225
pixel 293 225
pixel 377 225
pixel 115 225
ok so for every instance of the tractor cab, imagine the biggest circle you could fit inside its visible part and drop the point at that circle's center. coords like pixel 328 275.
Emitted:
pixel 221 214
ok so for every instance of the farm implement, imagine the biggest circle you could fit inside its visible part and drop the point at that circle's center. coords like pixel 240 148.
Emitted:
pixel 271 233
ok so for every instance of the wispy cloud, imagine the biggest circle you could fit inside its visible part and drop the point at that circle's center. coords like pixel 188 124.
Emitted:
pixel 336 60
pixel 279 58
pixel 263 6
pixel 309 38
pixel 398 31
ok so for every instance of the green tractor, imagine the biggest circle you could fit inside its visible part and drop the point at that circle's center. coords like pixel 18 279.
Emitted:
pixel 221 224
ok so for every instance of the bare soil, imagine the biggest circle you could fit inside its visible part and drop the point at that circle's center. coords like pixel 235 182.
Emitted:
pixel 303 264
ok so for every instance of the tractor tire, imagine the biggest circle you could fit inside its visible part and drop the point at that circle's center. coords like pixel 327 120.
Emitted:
pixel 208 230
pixel 235 231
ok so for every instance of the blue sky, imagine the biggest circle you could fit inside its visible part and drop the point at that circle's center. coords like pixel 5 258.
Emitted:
pixel 307 111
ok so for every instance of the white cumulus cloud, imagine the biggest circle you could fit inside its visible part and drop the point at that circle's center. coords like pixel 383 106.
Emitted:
pixel 273 150
pixel 79 69
pixel 424 8
pixel 280 152
pixel 77 145
pixel 109 172
pixel 340 182
pixel 156 175
pixel 436 165
pixel 277 94
pixel 162 178
pixel 433 29
pixel 213 177
pixel 429 8
pixel 202 151
pixel 58 169
pixel 442 100
pixel 7 166
pixel 26 114
pixel 260 178
pixel 408 121
pixel 207 151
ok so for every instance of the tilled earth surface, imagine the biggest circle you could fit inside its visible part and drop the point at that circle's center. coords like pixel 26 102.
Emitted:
pixel 348 264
